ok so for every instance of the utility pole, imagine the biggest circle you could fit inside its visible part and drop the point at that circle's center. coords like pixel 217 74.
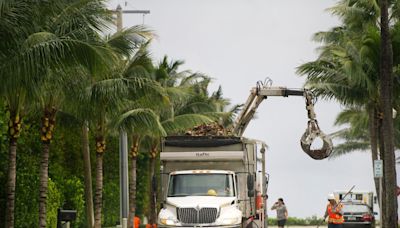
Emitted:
pixel 119 13
pixel 123 142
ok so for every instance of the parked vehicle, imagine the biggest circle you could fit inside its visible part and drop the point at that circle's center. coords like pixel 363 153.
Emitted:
pixel 358 215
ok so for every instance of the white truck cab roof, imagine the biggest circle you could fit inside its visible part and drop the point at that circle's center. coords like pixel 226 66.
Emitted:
pixel 201 171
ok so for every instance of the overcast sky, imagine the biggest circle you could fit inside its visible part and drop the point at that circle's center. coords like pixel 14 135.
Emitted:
pixel 239 42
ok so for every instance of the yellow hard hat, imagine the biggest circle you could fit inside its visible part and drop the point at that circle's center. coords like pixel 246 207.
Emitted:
pixel 211 192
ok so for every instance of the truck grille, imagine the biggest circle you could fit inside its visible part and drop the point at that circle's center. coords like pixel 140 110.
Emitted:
pixel 193 216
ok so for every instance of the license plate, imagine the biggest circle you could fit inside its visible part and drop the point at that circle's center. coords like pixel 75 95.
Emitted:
pixel 351 218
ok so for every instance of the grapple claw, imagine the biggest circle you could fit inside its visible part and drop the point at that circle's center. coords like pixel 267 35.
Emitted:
pixel 312 132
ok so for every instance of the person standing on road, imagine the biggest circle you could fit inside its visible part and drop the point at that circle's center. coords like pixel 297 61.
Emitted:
pixel 281 212
pixel 334 213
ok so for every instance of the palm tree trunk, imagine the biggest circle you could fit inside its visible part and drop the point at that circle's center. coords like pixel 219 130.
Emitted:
pixel 100 149
pixel 44 178
pixel 11 182
pixel 132 183
pixel 153 155
pixel 373 128
pixel 99 190
pixel 382 157
pixel 14 129
pixel 386 88
pixel 48 124
pixel 87 175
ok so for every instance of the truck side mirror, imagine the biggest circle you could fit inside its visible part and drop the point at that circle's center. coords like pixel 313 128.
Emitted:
pixel 250 185
pixel 266 181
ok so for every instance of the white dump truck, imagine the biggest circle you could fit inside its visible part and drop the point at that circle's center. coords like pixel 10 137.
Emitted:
pixel 211 181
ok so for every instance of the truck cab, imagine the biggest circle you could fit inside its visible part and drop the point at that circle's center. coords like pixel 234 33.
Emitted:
pixel 209 181
pixel 206 197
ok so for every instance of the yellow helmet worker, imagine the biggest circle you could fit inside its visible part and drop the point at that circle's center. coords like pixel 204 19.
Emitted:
pixel 211 192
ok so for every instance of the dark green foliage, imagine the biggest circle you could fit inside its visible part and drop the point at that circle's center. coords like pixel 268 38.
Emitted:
pixel 142 196
pixel 74 194
pixel 27 188
pixel 54 201
pixel 111 189
pixel 66 188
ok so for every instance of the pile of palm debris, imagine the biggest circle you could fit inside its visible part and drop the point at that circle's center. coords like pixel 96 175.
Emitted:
pixel 211 129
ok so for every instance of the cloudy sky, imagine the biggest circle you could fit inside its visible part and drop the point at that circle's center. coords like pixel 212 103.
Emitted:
pixel 239 42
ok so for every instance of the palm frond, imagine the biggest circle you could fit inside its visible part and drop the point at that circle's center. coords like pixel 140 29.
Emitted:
pixel 128 40
pixel 348 147
pixel 141 120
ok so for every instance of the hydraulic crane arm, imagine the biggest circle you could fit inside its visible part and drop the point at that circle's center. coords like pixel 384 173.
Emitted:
pixel 259 93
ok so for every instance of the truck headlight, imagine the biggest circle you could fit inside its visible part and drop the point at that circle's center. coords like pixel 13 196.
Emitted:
pixel 229 221
pixel 229 215
pixel 168 221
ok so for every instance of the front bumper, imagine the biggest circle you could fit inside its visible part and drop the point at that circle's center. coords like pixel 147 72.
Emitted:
pixel 358 223
pixel 198 226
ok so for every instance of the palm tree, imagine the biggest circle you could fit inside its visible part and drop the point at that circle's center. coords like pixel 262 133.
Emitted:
pixel 76 109
pixel 138 123
pixel 139 120
pixel 348 66
pixel 121 44
pixel 37 38
pixel 190 106
pixel 107 98
pixel 386 86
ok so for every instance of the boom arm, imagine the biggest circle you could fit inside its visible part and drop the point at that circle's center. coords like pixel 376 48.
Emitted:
pixel 258 94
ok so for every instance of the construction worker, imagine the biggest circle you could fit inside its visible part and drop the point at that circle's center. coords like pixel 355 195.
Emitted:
pixel 334 213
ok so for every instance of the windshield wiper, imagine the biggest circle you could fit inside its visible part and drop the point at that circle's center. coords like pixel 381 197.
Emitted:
pixel 179 195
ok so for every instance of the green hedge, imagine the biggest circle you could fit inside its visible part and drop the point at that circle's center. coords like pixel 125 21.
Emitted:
pixel 314 220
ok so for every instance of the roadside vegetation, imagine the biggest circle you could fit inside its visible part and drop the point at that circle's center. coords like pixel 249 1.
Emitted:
pixel 291 221
pixel 70 84
pixel 358 66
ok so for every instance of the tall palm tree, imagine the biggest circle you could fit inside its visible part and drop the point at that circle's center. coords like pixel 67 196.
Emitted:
pixel 386 86
pixel 139 120
pixel 107 98
pixel 76 107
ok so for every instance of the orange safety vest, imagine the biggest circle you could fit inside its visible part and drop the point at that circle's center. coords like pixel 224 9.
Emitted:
pixel 334 217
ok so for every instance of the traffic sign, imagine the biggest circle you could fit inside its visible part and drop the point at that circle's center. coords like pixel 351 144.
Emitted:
pixel 378 168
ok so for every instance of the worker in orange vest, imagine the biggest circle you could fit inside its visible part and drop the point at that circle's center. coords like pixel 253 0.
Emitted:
pixel 334 213
pixel 136 222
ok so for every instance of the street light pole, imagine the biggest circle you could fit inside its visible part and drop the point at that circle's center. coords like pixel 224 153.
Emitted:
pixel 123 143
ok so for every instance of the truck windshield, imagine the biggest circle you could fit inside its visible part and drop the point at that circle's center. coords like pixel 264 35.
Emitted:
pixel 214 184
